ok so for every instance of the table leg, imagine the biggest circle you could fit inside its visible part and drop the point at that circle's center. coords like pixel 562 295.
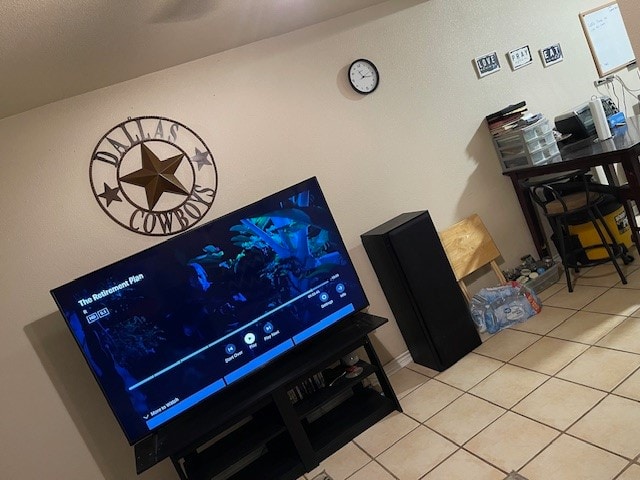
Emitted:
pixel 631 167
pixel 531 216
pixel 610 173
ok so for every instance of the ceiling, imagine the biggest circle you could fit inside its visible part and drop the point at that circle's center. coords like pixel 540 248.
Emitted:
pixel 52 49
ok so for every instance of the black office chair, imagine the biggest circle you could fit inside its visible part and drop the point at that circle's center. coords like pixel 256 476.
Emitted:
pixel 563 196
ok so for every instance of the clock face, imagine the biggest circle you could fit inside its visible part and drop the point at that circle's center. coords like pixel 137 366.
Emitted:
pixel 363 76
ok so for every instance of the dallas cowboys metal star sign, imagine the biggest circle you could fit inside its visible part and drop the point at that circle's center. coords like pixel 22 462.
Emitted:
pixel 153 176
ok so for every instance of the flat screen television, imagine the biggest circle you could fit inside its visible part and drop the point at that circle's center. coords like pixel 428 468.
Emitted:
pixel 168 327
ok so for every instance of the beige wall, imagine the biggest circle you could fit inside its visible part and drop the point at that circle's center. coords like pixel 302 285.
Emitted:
pixel 631 15
pixel 272 113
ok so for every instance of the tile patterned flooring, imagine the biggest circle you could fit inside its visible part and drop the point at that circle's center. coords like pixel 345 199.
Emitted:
pixel 556 397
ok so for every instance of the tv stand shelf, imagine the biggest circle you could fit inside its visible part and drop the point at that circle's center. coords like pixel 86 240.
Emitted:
pixel 319 398
pixel 273 436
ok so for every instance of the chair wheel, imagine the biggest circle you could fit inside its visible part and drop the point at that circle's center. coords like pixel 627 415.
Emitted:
pixel 627 259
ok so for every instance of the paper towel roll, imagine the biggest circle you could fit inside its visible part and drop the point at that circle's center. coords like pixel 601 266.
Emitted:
pixel 599 119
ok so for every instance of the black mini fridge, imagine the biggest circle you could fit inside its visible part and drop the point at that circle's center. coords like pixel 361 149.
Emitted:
pixel 421 289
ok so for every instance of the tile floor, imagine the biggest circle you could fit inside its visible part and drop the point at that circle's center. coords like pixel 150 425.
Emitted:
pixel 556 397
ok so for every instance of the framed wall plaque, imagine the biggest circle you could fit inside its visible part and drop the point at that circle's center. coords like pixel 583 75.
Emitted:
pixel 487 64
pixel 520 57
pixel 551 54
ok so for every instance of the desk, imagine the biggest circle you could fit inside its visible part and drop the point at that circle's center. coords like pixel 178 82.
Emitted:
pixel 623 148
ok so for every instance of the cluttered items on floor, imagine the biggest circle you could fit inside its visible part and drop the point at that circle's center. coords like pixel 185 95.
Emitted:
pixel 537 275
pixel 469 247
pixel 496 308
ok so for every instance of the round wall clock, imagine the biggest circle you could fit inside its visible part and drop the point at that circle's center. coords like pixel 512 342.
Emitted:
pixel 363 76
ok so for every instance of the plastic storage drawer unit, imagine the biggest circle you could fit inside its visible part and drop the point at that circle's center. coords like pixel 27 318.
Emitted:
pixel 527 146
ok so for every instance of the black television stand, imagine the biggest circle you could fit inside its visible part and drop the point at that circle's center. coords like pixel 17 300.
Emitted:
pixel 285 419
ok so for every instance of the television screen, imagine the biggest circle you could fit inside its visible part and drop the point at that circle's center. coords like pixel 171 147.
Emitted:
pixel 168 327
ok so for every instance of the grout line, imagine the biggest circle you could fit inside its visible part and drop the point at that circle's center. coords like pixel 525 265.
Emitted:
pixel 373 459
pixel 560 433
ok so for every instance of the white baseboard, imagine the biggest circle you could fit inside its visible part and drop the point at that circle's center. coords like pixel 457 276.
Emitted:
pixel 398 363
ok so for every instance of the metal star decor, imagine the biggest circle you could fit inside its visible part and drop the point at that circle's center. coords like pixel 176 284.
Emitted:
pixel 156 176
pixel 134 155
pixel 110 194
pixel 200 158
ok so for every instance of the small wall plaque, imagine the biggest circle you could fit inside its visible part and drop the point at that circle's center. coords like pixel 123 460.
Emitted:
pixel 520 57
pixel 487 64
pixel 551 54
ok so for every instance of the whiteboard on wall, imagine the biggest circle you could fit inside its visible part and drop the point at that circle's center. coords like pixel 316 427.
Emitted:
pixel 608 38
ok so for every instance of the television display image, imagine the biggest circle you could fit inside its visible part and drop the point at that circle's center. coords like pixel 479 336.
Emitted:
pixel 168 327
